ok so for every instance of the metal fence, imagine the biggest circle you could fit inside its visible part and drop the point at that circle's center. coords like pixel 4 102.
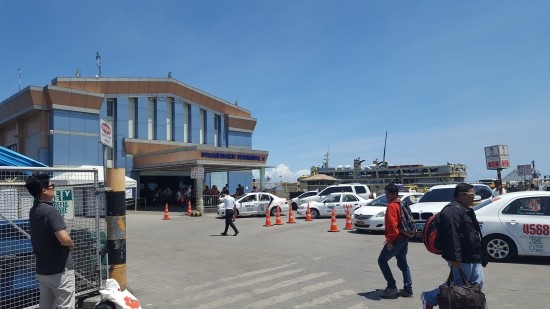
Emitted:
pixel 80 200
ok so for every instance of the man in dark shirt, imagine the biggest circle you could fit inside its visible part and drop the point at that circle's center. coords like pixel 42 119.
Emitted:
pixel 52 246
pixel 460 239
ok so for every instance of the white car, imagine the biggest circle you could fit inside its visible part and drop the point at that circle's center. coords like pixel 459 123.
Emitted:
pixel 295 202
pixel 438 197
pixel 371 216
pixel 338 201
pixel 256 203
pixel 514 224
pixel 357 188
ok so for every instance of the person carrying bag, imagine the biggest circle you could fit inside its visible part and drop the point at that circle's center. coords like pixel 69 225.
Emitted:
pixel 466 296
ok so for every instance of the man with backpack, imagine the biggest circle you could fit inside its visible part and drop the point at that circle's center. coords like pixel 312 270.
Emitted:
pixel 459 238
pixel 396 246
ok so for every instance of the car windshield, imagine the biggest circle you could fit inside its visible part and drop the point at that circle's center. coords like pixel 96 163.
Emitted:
pixel 438 195
pixel 379 201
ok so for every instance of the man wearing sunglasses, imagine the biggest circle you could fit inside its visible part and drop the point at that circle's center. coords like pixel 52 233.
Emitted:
pixel 52 246
pixel 459 236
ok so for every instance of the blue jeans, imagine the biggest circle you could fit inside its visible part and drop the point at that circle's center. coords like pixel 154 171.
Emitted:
pixel 472 271
pixel 399 251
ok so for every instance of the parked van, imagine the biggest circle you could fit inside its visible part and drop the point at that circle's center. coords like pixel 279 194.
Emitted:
pixel 358 188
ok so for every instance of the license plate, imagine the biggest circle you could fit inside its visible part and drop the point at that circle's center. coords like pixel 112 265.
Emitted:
pixel 360 222
pixel 420 226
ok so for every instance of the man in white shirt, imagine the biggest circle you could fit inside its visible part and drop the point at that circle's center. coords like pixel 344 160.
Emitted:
pixel 229 205
pixel 498 190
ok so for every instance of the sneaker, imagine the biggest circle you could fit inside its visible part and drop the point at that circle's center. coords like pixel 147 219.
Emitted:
pixel 405 293
pixel 236 233
pixel 425 305
pixel 389 293
pixel 224 234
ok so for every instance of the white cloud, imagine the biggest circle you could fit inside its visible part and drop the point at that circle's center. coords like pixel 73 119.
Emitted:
pixel 281 173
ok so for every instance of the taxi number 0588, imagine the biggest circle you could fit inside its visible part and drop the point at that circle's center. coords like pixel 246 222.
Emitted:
pixel 536 229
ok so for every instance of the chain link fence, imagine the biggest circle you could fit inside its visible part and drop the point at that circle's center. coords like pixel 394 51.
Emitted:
pixel 82 203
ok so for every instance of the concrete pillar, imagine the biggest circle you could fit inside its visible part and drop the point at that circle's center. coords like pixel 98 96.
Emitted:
pixel 116 224
pixel 262 178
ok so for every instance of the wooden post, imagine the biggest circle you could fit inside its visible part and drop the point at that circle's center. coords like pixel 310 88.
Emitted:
pixel 116 224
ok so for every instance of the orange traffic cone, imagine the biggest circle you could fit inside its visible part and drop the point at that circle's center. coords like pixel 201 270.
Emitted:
pixel 349 226
pixel 290 215
pixel 308 214
pixel 278 221
pixel 189 211
pixel 333 225
pixel 267 219
pixel 166 215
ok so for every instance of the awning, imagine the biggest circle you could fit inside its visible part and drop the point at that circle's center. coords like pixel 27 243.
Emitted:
pixel 73 178
pixel 12 158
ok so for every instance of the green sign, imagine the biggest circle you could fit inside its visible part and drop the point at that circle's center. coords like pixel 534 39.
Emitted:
pixel 64 203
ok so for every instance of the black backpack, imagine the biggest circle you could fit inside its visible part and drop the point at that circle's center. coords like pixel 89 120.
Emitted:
pixel 406 225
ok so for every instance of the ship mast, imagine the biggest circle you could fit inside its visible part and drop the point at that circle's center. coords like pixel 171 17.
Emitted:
pixel 384 156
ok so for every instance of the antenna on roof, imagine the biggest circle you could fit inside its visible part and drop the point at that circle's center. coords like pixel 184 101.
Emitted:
pixel 77 72
pixel 98 63
pixel 169 74
pixel 18 75
pixel 236 102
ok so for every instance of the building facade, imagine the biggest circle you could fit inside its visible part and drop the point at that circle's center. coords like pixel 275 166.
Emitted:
pixel 161 129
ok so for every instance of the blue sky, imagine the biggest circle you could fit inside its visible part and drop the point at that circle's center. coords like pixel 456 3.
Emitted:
pixel 443 78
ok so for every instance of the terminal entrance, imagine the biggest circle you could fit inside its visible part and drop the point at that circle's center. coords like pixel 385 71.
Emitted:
pixel 159 190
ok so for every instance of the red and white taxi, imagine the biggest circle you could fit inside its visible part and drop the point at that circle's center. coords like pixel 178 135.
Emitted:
pixel 514 224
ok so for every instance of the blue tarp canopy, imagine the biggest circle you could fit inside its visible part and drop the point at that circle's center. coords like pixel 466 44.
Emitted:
pixel 12 158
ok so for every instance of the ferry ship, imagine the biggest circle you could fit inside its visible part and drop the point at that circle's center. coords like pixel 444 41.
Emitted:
pixel 379 174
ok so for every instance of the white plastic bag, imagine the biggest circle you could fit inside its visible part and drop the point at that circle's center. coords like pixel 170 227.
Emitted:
pixel 121 299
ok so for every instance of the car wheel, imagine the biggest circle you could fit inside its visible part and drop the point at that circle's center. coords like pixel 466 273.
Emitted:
pixel 314 213
pixel 499 248
pixel 274 211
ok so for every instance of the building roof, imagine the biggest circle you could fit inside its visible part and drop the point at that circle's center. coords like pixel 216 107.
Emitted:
pixel 320 177
pixel 12 158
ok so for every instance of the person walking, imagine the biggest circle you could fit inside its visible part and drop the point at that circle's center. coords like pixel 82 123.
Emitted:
pixel 230 208
pixel 396 246
pixel 52 246
pixel 460 240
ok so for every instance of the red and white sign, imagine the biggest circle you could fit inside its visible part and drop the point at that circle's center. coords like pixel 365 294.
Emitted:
pixel 105 133
pixel 496 157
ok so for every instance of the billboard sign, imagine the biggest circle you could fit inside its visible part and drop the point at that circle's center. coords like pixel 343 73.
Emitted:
pixel 105 133
pixel 497 157
pixel 525 170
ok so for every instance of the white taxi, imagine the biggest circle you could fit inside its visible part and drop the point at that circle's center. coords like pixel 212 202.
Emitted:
pixel 514 224
pixel 371 216
pixel 338 201
pixel 256 203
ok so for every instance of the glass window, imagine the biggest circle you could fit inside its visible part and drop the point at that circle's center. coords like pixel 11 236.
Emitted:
pixel 151 108
pixel 332 199
pixel 169 118
pixel 360 190
pixel 350 198
pixel 538 206
pixel 249 198
pixel 111 107
pixel 438 195
pixel 132 103
pixel 484 192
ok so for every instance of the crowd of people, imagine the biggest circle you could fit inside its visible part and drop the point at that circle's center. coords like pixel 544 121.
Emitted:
pixel 187 193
